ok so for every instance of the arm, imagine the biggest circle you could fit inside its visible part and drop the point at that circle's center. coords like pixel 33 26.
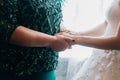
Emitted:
pixel 97 31
pixel 111 42
pixel 26 37
pixel 11 31
pixel 99 42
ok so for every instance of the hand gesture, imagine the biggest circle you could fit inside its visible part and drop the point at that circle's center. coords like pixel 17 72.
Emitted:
pixel 61 42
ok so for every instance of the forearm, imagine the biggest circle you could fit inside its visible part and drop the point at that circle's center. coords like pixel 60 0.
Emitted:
pixel 26 37
pixel 97 31
pixel 99 42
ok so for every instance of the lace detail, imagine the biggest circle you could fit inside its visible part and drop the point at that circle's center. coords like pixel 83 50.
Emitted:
pixel 40 15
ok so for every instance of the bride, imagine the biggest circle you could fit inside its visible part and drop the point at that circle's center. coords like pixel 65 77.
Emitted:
pixel 104 64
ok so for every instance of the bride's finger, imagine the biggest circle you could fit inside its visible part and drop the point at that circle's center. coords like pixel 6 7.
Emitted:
pixel 68 35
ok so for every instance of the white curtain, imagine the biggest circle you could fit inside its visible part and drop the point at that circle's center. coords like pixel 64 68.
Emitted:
pixel 80 15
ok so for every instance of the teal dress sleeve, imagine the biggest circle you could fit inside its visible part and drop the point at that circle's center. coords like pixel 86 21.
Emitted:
pixel 40 15
pixel 8 19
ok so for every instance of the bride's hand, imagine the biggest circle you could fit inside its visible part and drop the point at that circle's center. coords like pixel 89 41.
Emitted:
pixel 68 34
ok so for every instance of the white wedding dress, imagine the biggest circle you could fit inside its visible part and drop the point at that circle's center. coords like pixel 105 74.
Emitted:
pixel 104 64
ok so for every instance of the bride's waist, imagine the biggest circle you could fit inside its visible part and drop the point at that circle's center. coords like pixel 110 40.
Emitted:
pixel 111 29
pixel 105 52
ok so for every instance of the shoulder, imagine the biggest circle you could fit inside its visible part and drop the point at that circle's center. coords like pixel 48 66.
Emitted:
pixel 8 6
pixel 8 1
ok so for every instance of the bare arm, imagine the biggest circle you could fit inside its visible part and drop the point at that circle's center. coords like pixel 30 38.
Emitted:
pixel 26 37
pixel 97 31
pixel 99 42
pixel 12 32
pixel 111 42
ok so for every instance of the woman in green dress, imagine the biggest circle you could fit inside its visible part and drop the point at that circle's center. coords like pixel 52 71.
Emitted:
pixel 28 44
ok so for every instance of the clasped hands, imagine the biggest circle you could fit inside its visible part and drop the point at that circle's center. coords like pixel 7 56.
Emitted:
pixel 64 40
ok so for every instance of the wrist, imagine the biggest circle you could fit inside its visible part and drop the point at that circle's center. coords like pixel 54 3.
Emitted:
pixel 77 40
pixel 44 40
pixel 52 40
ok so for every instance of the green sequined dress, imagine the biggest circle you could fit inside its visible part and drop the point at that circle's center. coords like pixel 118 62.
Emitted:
pixel 40 15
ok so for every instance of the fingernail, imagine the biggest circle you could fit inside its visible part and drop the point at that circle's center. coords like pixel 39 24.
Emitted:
pixel 73 40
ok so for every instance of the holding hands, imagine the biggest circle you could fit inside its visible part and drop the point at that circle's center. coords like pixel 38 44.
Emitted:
pixel 62 41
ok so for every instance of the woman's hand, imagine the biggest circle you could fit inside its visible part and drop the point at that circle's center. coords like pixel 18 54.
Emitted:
pixel 61 42
pixel 70 34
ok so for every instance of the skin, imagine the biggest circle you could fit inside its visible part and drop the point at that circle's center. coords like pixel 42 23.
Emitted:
pixel 93 38
pixel 23 36
pixel 97 31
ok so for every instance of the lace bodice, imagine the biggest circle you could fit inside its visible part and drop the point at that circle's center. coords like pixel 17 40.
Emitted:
pixel 104 64
pixel 112 15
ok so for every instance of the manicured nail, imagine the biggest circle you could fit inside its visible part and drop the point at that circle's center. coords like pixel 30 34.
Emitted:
pixel 73 40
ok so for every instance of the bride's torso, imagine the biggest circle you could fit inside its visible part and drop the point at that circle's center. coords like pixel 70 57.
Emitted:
pixel 104 64
pixel 112 14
